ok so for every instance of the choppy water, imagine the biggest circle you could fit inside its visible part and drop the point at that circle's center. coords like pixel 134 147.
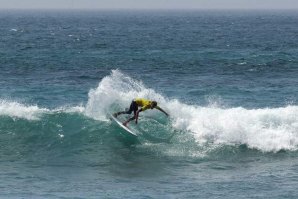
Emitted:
pixel 228 80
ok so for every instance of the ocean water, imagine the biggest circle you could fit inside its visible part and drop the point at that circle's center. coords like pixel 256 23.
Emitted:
pixel 228 79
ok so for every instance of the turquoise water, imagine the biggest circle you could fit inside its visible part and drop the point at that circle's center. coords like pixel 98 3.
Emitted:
pixel 227 79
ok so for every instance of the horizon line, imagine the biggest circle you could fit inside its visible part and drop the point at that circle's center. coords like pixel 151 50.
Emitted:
pixel 154 9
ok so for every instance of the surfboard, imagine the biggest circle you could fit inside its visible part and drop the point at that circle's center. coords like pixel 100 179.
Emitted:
pixel 122 126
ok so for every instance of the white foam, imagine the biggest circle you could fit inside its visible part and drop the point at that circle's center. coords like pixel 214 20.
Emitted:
pixel 17 110
pixel 268 129
pixel 33 112
pixel 264 129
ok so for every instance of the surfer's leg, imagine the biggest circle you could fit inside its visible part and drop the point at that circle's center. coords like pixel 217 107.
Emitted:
pixel 119 113
pixel 130 119
pixel 132 107
pixel 135 109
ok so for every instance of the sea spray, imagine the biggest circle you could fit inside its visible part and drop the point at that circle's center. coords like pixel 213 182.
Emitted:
pixel 118 90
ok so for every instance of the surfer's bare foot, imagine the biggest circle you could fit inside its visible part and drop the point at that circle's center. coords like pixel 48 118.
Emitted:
pixel 125 124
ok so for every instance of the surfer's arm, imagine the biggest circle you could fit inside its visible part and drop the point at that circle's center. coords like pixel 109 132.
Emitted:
pixel 160 109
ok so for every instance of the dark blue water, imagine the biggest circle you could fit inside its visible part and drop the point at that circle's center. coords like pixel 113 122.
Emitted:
pixel 227 79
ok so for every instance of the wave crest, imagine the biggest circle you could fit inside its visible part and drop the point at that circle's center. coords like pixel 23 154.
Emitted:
pixel 267 129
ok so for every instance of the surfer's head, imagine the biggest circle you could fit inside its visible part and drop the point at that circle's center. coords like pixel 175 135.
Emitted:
pixel 153 104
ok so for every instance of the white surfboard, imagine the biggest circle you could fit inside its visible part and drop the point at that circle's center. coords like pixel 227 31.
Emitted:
pixel 122 126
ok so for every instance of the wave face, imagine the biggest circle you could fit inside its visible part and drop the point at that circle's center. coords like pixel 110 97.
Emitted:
pixel 191 130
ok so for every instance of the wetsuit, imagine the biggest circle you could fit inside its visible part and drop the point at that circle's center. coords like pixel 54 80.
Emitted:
pixel 135 104
pixel 138 102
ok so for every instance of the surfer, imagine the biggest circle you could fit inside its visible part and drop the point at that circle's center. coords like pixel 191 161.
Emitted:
pixel 135 104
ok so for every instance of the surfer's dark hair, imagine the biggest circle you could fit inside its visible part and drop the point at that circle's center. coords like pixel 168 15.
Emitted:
pixel 154 103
